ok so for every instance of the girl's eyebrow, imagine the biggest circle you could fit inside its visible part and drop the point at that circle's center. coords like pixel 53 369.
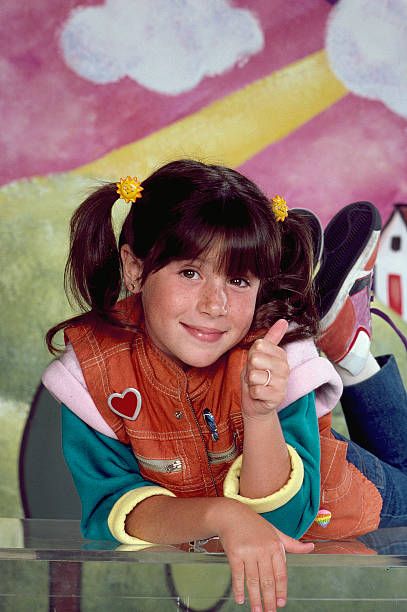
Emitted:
pixel 197 261
pixel 201 259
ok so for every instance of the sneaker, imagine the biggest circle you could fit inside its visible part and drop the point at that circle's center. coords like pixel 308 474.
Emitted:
pixel 344 285
pixel 317 235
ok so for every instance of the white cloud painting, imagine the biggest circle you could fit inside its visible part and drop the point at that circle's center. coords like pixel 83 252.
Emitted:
pixel 366 43
pixel 167 46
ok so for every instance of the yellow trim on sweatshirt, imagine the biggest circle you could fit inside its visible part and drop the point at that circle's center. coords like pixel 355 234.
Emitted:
pixel 273 501
pixel 124 506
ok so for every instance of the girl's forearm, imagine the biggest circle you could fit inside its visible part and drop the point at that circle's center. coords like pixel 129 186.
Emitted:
pixel 266 463
pixel 172 520
pixel 253 546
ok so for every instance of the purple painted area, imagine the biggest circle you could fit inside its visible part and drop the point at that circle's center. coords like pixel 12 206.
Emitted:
pixel 355 150
pixel 52 120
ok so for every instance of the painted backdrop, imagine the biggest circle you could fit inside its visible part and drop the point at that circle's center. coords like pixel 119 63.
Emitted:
pixel 308 98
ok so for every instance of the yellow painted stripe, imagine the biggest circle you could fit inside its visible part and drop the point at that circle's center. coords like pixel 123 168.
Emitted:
pixel 233 128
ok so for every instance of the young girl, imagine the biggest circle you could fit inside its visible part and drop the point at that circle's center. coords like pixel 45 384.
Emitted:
pixel 183 417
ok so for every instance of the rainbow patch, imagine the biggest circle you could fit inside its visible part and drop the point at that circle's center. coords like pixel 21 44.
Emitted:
pixel 323 518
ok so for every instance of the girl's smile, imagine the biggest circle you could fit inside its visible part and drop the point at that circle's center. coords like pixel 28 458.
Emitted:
pixel 204 333
pixel 195 313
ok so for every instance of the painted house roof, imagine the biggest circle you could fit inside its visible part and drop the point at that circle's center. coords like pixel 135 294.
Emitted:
pixel 402 209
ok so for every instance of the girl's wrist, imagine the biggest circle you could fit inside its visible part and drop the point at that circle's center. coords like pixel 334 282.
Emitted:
pixel 260 418
pixel 220 514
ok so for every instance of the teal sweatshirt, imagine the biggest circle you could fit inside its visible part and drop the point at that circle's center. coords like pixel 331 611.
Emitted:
pixel 104 469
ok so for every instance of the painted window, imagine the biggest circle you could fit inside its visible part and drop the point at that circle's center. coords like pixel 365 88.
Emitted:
pixel 395 244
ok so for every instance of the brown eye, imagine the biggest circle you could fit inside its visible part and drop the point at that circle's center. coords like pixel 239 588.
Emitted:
pixel 239 282
pixel 190 274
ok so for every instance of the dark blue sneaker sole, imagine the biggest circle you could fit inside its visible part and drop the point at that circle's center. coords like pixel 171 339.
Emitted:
pixel 345 238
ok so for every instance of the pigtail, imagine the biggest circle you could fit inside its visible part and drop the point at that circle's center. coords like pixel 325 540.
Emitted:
pixel 93 272
pixel 92 277
pixel 290 293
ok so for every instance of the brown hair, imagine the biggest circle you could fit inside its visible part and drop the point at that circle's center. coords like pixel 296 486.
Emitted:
pixel 186 207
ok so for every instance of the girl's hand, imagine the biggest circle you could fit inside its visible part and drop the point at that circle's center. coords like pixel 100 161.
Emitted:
pixel 259 400
pixel 256 554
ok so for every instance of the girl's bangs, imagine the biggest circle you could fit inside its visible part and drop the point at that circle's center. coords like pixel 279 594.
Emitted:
pixel 238 250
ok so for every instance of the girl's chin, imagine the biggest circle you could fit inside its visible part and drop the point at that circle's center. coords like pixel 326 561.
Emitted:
pixel 202 361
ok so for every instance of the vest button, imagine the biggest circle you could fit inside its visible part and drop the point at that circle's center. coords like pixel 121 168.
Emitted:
pixel 179 414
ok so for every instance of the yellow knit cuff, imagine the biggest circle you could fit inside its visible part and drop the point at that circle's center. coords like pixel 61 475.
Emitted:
pixel 124 505
pixel 273 501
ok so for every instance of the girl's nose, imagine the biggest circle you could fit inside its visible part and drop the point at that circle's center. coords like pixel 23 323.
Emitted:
pixel 213 300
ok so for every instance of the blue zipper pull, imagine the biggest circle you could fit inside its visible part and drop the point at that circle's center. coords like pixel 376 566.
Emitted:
pixel 211 424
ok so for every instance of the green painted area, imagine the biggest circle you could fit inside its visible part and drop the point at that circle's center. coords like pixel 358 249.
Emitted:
pixel 23 586
pixel 12 419
pixel 34 238
pixel 386 341
pixel 33 248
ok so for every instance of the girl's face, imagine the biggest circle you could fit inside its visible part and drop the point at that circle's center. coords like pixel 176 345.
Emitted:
pixel 195 314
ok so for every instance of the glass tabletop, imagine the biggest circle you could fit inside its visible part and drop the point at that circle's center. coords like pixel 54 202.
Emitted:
pixel 47 565
pixel 51 539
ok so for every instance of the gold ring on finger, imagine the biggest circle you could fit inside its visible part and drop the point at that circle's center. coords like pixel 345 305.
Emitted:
pixel 268 378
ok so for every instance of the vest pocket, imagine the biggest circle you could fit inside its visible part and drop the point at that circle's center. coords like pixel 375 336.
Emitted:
pixel 227 455
pixel 160 466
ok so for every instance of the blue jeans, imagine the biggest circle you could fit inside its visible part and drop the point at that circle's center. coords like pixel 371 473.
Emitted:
pixel 376 415
pixel 391 541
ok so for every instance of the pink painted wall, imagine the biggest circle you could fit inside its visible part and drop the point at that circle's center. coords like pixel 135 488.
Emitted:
pixel 52 119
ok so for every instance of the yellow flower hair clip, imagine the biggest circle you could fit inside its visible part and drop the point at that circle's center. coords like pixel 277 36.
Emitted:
pixel 129 189
pixel 280 208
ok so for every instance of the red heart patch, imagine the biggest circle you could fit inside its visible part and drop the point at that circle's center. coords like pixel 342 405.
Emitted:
pixel 127 404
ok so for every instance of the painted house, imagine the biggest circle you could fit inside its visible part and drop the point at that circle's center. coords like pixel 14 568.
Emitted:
pixel 391 265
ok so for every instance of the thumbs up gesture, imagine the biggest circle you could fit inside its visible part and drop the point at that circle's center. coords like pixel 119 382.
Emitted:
pixel 265 375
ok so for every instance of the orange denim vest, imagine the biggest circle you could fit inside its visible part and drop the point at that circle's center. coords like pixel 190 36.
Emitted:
pixel 170 439
pixel 171 442
pixel 354 501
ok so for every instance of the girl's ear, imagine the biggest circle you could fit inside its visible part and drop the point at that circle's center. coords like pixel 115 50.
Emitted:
pixel 132 269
